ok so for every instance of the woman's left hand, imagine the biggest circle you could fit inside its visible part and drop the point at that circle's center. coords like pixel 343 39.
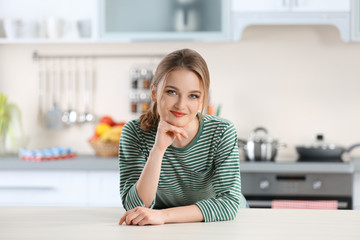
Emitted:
pixel 143 216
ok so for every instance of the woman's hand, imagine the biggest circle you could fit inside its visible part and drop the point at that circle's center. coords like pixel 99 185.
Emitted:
pixel 166 134
pixel 143 216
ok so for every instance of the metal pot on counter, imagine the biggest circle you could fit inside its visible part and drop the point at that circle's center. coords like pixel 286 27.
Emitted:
pixel 260 146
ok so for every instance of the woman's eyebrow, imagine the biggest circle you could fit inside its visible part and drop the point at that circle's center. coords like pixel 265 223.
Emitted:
pixel 193 91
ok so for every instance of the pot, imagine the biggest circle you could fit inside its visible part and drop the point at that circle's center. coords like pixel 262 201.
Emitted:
pixel 321 151
pixel 260 146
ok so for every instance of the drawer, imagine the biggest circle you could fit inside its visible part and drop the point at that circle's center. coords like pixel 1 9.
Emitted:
pixel 40 188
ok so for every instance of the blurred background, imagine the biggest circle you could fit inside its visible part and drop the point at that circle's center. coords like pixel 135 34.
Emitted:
pixel 291 67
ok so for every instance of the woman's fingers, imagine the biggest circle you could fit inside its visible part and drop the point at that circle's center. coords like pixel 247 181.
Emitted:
pixel 178 131
pixel 125 216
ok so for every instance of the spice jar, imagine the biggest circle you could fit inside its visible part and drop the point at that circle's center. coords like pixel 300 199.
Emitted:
pixel 145 102
pixel 145 79
pixel 135 75
pixel 133 102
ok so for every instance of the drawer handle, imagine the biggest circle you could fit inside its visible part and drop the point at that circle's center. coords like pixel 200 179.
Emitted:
pixel 26 188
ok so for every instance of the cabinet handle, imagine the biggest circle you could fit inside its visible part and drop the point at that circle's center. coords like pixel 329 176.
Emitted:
pixel 26 188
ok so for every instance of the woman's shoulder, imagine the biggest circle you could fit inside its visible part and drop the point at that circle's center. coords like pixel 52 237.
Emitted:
pixel 215 122
pixel 133 128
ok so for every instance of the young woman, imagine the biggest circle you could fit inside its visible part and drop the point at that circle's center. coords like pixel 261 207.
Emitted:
pixel 176 163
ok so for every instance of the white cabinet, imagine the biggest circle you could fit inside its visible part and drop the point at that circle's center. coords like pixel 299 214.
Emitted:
pixel 291 12
pixel 355 20
pixel 291 5
pixel 103 188
pixel 66 21
pixel 53 21
pixel 34 188
pixel 59 188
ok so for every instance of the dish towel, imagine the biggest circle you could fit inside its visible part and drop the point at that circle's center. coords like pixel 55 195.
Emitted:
pixel 305 204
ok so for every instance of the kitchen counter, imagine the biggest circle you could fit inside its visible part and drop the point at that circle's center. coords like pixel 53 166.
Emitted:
pixel 101 223
pixel 91 162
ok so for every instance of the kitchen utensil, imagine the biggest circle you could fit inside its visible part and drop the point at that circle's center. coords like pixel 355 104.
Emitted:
pixel 87 116
pixel 53 116
pixel 322 151
pixel 69 117
pixel 41 74
pixel 260 146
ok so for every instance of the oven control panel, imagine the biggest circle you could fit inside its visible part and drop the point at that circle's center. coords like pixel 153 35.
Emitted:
pixel 297 184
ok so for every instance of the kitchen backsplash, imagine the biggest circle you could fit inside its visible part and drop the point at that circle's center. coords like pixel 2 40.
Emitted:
pixel 295 81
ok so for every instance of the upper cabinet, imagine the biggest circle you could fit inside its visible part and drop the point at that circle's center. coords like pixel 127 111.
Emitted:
pixel 291 12
pixel 48 21
pixel 82 21
pixel 291 5
pixel 162 20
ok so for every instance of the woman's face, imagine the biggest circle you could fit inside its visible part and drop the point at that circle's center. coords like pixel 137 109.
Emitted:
pixel 181 97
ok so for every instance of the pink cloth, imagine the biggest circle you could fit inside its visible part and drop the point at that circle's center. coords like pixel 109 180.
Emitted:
pixel 305 204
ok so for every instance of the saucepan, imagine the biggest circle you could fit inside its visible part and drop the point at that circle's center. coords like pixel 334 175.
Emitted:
pixel 260 146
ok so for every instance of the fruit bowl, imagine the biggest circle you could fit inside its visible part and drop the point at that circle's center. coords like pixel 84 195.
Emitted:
pixel 105 149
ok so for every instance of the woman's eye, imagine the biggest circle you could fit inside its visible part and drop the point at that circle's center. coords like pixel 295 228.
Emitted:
pixel 171 92
pixel 194 96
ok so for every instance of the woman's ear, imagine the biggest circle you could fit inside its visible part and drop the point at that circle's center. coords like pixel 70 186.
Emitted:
pixel 153 93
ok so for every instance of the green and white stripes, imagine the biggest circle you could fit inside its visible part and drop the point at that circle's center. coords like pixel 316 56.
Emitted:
pixel 205 173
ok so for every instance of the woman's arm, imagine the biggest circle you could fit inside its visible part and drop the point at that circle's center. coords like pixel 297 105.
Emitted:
pixel 147 184
pixel 145 216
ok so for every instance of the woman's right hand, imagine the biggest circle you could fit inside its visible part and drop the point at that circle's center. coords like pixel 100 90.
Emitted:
pixel 166 134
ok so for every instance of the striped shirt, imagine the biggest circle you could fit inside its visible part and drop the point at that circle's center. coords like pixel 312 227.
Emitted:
pixel 205 173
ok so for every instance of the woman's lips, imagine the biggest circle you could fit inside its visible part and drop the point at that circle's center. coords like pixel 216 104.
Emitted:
pixel 178 114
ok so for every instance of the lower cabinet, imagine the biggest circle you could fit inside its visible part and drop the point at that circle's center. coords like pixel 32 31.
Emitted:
pixel 103 188
pixel 59 188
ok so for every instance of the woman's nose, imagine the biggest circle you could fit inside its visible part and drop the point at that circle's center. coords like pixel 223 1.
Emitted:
pixel 180 102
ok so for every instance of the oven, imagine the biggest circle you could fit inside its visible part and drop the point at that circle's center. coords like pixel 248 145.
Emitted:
pixel 267 184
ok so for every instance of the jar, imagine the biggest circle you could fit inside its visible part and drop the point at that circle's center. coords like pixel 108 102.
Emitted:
pixel 146 79
pixel 145 102
pixel 133 102
pixel 135 75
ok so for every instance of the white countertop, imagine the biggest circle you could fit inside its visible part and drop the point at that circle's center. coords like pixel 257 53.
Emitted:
pixel 91 162
pixel 52 223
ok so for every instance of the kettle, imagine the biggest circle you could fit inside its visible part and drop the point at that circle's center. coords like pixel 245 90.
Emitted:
pixel 260 146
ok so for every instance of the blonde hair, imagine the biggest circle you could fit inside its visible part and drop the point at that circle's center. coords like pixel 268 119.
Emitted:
pixel 185 59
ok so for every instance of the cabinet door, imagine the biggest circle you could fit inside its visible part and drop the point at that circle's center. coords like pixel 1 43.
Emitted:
pixel 138 20
pixel 40 188
pixel 261 5
pixel 321 5
pixel 103 188
pixel 291 5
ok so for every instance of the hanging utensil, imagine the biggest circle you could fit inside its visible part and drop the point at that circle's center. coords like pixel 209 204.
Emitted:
pixel 87 116
pixel 53 116
pixel 42 75
pixel 69 116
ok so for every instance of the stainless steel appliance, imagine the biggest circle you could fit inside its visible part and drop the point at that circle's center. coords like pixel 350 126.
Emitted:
pixel 262 183
pixel 260 146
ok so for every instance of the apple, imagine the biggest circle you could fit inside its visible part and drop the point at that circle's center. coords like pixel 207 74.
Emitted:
pixel 107 120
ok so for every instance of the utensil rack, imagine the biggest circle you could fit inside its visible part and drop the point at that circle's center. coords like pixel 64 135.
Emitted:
pixel 37 56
